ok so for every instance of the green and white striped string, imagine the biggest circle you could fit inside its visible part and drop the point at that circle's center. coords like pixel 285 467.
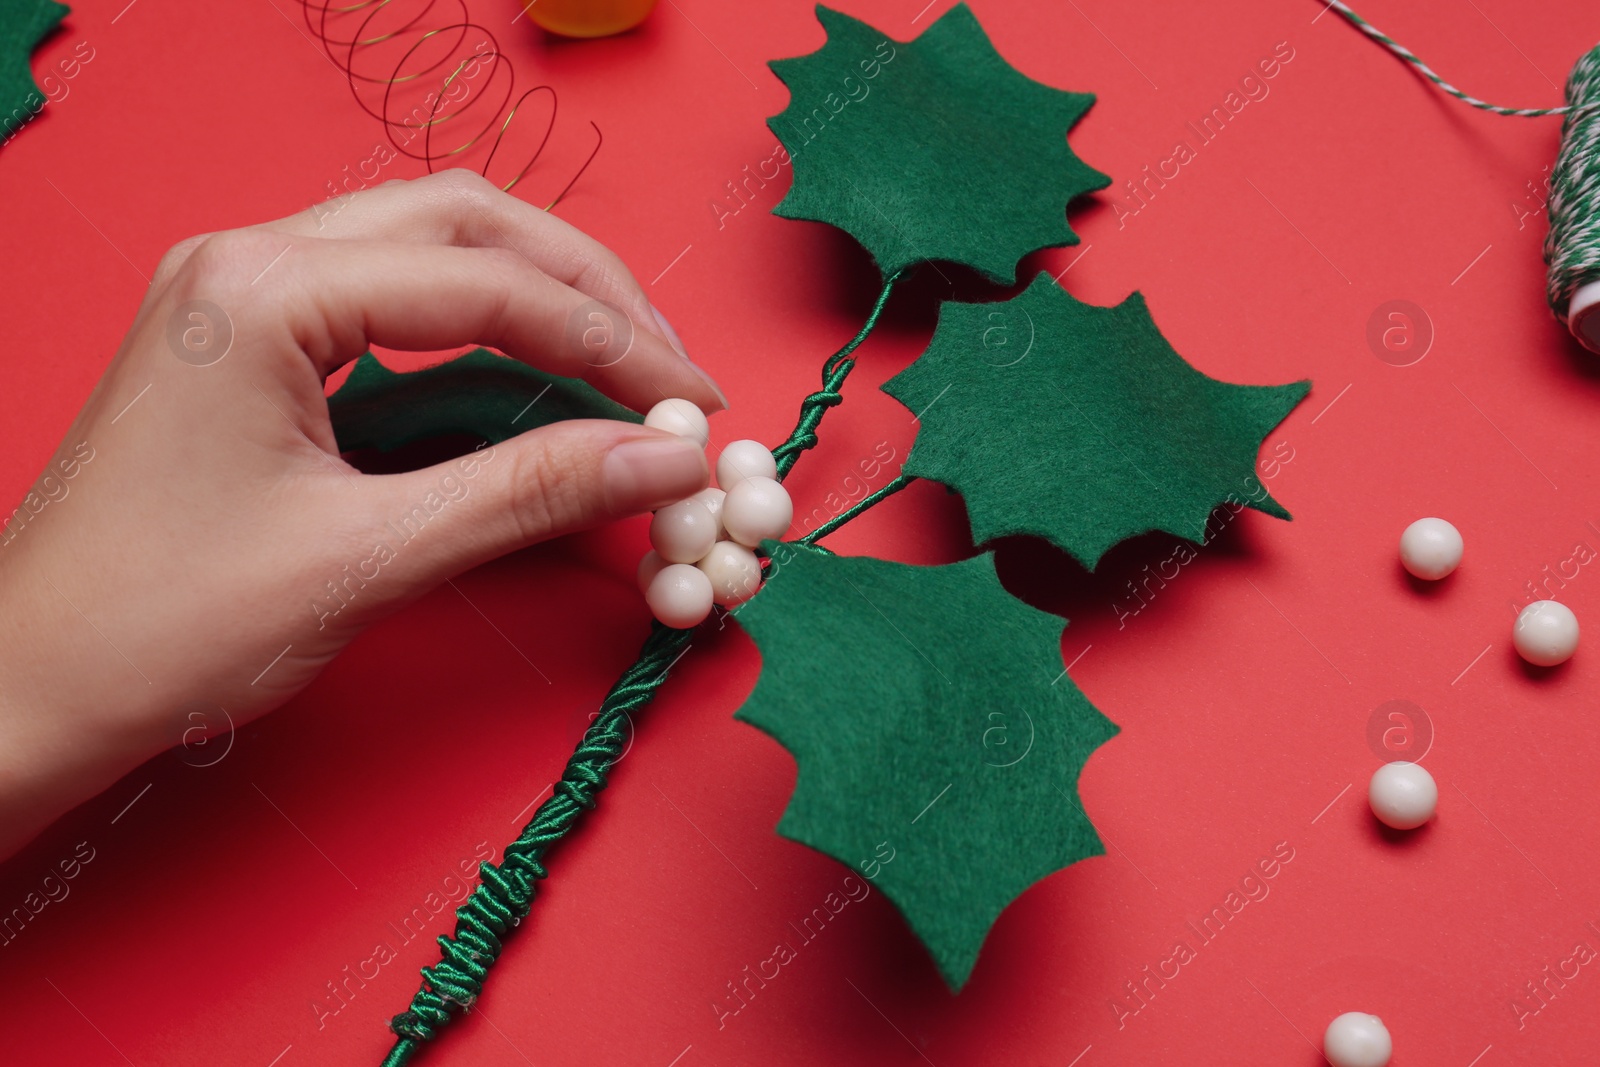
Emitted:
pixel 1572 247
pixel 1428 72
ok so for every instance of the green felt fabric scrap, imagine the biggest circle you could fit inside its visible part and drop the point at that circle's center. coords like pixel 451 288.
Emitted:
pixel 936 148
pixel 477 393
pixel 931 720
pixel 1081 424
pixel 23 24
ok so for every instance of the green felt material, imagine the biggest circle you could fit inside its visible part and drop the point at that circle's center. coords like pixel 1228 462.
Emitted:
pixel 477 393
pixel 1081 425
pixel 23 24
pixel 936 148
pixel 931 720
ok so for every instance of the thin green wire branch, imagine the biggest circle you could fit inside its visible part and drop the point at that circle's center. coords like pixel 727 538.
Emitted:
pixel 860 506
pixel 834 372
pixel 505 892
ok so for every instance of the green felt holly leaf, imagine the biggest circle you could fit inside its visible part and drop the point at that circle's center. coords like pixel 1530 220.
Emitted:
pixel 932 723
pixel 23 24
pixel 1081 425
pixel 478 394
pixel 936 148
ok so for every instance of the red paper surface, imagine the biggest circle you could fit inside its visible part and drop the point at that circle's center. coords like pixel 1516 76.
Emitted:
pixel 222 901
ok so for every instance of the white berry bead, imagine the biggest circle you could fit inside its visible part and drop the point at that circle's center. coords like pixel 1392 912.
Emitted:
pixel 1546 633
pixel 1430 549
pixel 680 417
pixel 756 508
pixel 679 596
pixel 1403 795
pixel 712 498
pixel 745 459
pixel 735 573
pixel 1356 1039
pixel 683 532
pixel 649 567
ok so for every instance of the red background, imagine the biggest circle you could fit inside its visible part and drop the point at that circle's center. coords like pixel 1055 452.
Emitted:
pixel 208 923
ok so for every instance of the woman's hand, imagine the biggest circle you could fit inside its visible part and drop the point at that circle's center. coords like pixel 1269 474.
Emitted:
pixel 196 537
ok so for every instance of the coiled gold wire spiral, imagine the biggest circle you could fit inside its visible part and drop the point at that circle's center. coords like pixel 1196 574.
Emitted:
pixel 438 82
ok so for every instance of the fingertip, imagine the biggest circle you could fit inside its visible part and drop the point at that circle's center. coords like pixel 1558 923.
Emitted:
pixel 711 383
pixel 668 332
pixel 672 338
pixel 664 374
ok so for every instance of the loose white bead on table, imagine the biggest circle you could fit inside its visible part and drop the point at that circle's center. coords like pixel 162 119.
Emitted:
pixel 683 532
pixel 649 567
pixel 756 508
pixel 679 596
pixel 680 417
pixel 1356 1039
pixel 1403 795
pixel 1430 549
pixel 745 459
pixel 712 498
pixel 1546 633
pixel 734 570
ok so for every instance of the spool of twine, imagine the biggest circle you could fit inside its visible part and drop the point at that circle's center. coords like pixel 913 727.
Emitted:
pixel 1572 247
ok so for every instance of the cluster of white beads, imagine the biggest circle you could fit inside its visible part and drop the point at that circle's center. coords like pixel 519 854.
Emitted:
pixel 702 548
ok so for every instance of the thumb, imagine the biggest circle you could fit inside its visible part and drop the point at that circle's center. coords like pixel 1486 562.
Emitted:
pixel 563 477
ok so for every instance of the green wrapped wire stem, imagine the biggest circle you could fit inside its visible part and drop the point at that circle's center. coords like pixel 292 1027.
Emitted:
pixel 505 891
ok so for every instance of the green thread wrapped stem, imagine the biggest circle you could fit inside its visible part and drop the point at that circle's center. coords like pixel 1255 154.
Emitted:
pixel 860 506
pixel 505 891
pixel 401 1054
pixel 834 372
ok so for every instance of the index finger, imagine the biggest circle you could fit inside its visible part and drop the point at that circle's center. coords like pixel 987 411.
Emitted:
pixel 462 208
pixel 336 298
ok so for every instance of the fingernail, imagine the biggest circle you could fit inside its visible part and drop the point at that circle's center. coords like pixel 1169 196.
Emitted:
pixel 651 472
pixel 711 383
pixel 666 328
pixel 677 344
